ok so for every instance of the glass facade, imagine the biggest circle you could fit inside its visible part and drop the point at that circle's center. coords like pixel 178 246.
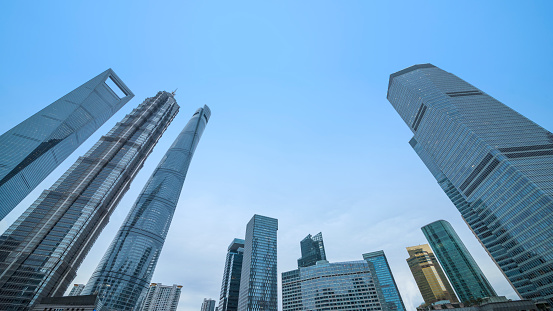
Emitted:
pixel 462 271
pixel 122 276
pixel 258 282
pixel 230 289
pixel 493 163
pixel 331 286
pixel 208 305
pixel 312 250
pixel 76 290
pixel 161 298
pixel 429 276
pixel 35 147
pixel 390 293
pixel 42 250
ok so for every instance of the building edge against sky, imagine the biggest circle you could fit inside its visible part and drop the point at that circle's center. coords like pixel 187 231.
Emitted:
pixel 468 281
pixel 48 242
pixel 230 287
pixel 390 291
pixel 31 150
pixel 122 276
pixel 492 162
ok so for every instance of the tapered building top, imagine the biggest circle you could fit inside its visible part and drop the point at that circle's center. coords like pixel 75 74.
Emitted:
pixel 312 250
pixel 31 150
pixel 122 277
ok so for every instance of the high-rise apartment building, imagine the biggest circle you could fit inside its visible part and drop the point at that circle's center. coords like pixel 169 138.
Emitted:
pixel 331 286
pixel 122 276
pixel 312 250
pixel 76 290
pixel 429 276
pixel 41 252
pixel 161 297
pixel 31 150
pixel 230 288
pixel 258 282
pixel 208 305
pixel 390 293
pixel 462 271
pixel 493 163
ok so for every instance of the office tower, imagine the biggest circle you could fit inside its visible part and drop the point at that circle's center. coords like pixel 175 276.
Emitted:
pixel 391 297
pixel 230 289
pixel 41 252
pixel 331 286
pixel 312 250
pixel 122 276
pixel 161 297
pixel 493 163
pixel 462 271
pixel 76 290
pixel 208 305
pixel 31 150
pixel 258 282
pixel 429 276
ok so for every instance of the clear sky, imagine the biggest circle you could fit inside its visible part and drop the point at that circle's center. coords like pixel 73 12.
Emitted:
pixel 300 130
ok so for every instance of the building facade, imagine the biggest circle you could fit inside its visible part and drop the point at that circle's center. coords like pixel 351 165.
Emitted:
pixel 76 290
pixel 465 276
pixel 331 286
pixel 208 305
pixel 31 150
pixel 42 250
pixel 230 288
pixel 492 162
pixel 258 282
pixel 428 275
pixel 73 303
pixel 390 293
pixel 312 250
pixel 162 297
pixel 122 276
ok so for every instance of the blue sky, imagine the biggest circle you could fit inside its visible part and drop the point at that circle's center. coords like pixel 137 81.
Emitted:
pixel 301 129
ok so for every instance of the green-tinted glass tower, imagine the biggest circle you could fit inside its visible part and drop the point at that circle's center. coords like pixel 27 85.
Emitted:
pixel 312 250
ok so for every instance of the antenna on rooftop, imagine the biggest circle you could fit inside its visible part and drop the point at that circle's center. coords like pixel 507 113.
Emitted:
pixel 173 93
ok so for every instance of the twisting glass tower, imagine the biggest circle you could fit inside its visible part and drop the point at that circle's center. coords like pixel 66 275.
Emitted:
pixel 493 163
pixel 124 273
pixel 31 150
pixel 41 252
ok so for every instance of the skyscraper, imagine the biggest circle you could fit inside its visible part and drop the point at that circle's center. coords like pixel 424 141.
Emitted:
pixel 258 282
pixel 390 293
pixel 31 150
pixel 331 286
pixel 429 276
pixel 462 271
pixel 493 163
pixel 312 250
pixel 230 288
pixel 76 290
pixel 208 305
pixel 41 252
pixel 162 297
pixel 122 276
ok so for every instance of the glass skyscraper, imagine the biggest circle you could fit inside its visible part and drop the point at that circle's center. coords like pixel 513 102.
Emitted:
pixel 31 150
pixel 462 271
pixel 41 252
pixel 258 282
pixel 493 163
pixel 390 293
pixel 230 288
pixel 208 305
pixel 312 250
pixel 429 276
pixel 122 276
pixel 331 286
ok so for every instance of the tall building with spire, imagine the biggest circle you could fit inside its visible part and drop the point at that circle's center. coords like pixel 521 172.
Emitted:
pixel 31 150
pixel 230 288
pixel 258 281
pixel 493 163
pixel 312 250
pixel 41 252
pixel 122 276
pixel 461 269
pixel 429 276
